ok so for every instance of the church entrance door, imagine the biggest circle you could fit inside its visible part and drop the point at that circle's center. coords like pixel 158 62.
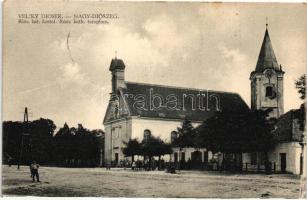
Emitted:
pixel 116 159
pixel 196 158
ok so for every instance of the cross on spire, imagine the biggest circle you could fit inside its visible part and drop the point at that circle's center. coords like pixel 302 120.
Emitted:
pixel 266 24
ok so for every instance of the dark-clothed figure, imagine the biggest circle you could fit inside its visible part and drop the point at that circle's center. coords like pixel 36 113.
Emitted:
pixel 34 171
pixel 10 160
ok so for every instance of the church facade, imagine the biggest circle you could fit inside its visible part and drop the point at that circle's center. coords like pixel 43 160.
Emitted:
pixel 137 109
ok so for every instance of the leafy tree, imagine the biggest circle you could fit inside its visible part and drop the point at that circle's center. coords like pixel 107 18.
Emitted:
pixel 98 142
pixel 301 115
pixel 300 85
pixel 63 145
pixel 68 147
pixel 163 149
pixel 235 133
pixel 186 135
pixel 133 147
pixel 41 134
pixel 154 146
pixel 80 146
pixel 87 146
pixel 37 140
pixel 11 140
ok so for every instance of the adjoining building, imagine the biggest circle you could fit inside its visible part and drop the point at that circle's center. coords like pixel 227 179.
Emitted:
pixel 137 109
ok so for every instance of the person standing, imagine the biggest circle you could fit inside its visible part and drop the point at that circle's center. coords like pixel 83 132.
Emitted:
pixel 133 166
pixel 34 171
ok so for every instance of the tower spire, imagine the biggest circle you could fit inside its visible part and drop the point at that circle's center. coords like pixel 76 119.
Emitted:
pixel 267 80
pixel 266 58
pixel 266 23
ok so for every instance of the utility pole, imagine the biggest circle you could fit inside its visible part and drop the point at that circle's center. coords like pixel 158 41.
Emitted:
pixel 24 133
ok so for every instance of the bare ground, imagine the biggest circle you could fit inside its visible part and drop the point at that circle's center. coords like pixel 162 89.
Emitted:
pixel 99 182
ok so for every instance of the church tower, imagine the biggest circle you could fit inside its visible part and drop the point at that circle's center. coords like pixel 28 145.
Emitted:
pixel 117 68
pixel 267 81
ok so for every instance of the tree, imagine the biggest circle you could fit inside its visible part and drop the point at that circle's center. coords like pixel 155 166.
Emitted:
pixel 37 141
pixel 235 133
pixel 11 140
pixel 68 147
pixel 300 85
pixel 99 141
pixel 86 147
pixel 63 145
pixel 41 135
pixel 155 146
pixel 133 147
pixel 186 135
pixel 78 146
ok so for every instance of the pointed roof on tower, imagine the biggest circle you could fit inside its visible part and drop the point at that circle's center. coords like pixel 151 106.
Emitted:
pixel 267 58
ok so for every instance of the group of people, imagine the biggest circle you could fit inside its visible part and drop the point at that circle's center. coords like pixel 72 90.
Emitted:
pixel 148 165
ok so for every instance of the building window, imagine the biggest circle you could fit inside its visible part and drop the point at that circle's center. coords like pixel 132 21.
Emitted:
pixel 175 157
pixel 182 156
pixel 262 158
pixel 116 158
pixel 147 134
pixel 269 91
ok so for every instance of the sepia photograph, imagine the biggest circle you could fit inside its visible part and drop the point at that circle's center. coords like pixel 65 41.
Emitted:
pixel 154 99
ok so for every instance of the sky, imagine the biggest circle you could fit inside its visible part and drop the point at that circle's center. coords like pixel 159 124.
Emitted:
pixel 199 45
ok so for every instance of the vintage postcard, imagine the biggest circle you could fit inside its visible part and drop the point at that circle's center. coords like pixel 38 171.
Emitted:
pixel 154 99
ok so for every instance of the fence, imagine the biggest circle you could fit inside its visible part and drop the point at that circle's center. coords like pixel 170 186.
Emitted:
pixel 183 165
pixel 271 167
pixel 235 167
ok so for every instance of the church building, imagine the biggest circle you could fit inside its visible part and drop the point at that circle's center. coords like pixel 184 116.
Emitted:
pixel 138 109
pixel 267 92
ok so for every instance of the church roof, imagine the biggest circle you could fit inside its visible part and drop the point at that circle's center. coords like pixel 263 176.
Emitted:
pixel 227 102
pixel 117 64
pixel 266 58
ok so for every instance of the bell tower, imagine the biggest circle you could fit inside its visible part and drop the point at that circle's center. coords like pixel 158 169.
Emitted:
pixel 117 68
pixel 267 80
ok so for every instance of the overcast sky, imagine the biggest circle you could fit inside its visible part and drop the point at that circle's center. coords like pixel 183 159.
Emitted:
pixel 198 45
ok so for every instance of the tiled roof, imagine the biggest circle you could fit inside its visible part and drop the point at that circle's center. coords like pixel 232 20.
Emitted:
pixel 288 127
pixel 228 102
pixel 267 58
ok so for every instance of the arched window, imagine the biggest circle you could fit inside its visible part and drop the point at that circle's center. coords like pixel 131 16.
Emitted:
pixel 174 136
pixel 269 91
pixel 147 134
